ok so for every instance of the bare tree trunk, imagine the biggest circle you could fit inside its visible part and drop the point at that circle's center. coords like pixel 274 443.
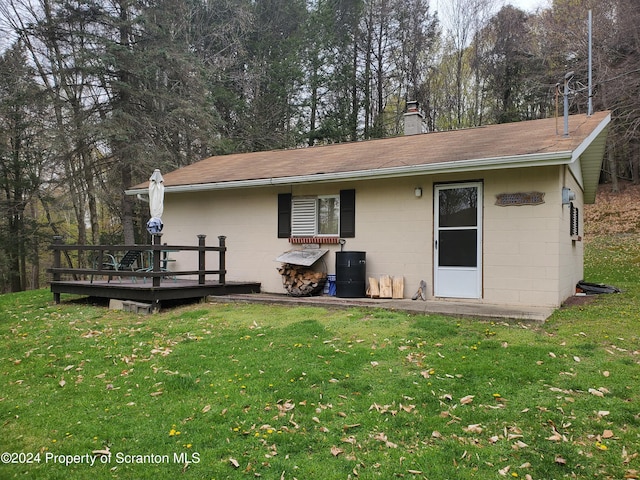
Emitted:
pixel 314 102
pixel 613 167
pixel 378 126
pixel 92 203
pixel 635 163
pixel 35 253
pixel 368 114
pixel 353 124
pixel 123 151
pixel 15 279
pixel 53 226
pixel 127 207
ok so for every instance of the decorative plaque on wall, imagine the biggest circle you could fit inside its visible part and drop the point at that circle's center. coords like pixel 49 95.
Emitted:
pixel 519 198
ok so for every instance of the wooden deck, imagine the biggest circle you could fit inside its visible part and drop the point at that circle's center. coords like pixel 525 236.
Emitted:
pixel 152 283
pixel 139 291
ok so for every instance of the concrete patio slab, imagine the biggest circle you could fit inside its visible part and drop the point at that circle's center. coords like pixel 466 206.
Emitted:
pixel 478 310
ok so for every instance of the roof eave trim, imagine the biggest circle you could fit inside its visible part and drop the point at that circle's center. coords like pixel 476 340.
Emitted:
pixel 519 161
pixel 589 140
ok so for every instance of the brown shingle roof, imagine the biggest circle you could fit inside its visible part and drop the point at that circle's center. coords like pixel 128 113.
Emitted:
pixel 535 137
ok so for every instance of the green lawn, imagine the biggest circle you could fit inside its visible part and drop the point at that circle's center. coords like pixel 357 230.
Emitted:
pixel 252 391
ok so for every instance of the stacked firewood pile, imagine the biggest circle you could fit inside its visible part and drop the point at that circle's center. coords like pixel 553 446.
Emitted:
pixel 301 281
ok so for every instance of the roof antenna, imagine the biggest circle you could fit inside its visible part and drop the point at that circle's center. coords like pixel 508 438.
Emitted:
pixel 590 104
pixel 567 79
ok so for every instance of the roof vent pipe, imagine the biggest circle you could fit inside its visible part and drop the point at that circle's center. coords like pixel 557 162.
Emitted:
pixel 567 79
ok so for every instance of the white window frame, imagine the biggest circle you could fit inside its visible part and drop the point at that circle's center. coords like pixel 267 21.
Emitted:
pixel 305 213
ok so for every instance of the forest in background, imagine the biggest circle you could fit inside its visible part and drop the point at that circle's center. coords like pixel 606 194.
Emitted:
pixel 94 95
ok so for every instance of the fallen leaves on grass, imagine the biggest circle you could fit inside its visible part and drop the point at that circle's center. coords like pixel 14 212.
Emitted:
pixel 350 427
pixel 560 460
pixel 407 408
pixel 284 407
pixel 556 436
pixel 381 437
pixel 599 392
pixel 164 351
pixel 102 452
pixel 91 334
pixel 466 400
pixel 382 409
pixel 504 471
pixel 626 457
pixel 519 445
pixel 474 428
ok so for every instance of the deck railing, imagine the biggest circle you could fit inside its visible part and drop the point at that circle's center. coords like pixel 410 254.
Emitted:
pixel 155 270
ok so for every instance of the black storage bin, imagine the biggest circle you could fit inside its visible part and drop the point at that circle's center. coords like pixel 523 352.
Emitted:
pixel 351 271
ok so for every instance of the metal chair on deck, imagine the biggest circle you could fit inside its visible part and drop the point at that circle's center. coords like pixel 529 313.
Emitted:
pixel 111 263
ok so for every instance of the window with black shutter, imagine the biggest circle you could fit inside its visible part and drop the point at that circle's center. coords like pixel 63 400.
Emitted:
pixel 319 217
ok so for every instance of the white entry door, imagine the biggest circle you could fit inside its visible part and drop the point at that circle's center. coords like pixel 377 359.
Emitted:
pixel 458 240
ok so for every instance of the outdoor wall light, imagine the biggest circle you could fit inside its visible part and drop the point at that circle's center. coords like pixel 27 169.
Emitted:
pixel 418 192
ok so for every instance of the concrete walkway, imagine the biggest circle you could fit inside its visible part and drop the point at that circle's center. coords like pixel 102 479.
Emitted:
pixel 451 308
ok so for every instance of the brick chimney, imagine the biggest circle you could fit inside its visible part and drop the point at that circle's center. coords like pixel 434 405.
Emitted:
pixel 412 119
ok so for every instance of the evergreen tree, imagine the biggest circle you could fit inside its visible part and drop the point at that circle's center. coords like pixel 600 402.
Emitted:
pixel 22 152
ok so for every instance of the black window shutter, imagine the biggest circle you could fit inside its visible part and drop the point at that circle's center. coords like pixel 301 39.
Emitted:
pixel 284 215
pixel 347 213
pixel 574 220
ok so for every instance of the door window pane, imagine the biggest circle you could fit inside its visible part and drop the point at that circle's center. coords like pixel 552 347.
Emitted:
pixel 458 207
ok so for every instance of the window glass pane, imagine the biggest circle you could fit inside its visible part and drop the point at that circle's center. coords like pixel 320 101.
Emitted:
pixel 458 207
pixel 328 215
pixel 458 248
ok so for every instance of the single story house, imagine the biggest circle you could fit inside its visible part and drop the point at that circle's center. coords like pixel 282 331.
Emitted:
pixel 490 214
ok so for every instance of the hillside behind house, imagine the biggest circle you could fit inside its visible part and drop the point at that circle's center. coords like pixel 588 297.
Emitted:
pixel 613 213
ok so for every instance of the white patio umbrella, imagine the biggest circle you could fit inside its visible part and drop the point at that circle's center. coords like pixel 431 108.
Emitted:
pixel 156 201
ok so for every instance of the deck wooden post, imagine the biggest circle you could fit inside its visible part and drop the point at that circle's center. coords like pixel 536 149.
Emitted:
pixel 157 239
pixel 201 259
pixel 222 264
pixel 57 240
